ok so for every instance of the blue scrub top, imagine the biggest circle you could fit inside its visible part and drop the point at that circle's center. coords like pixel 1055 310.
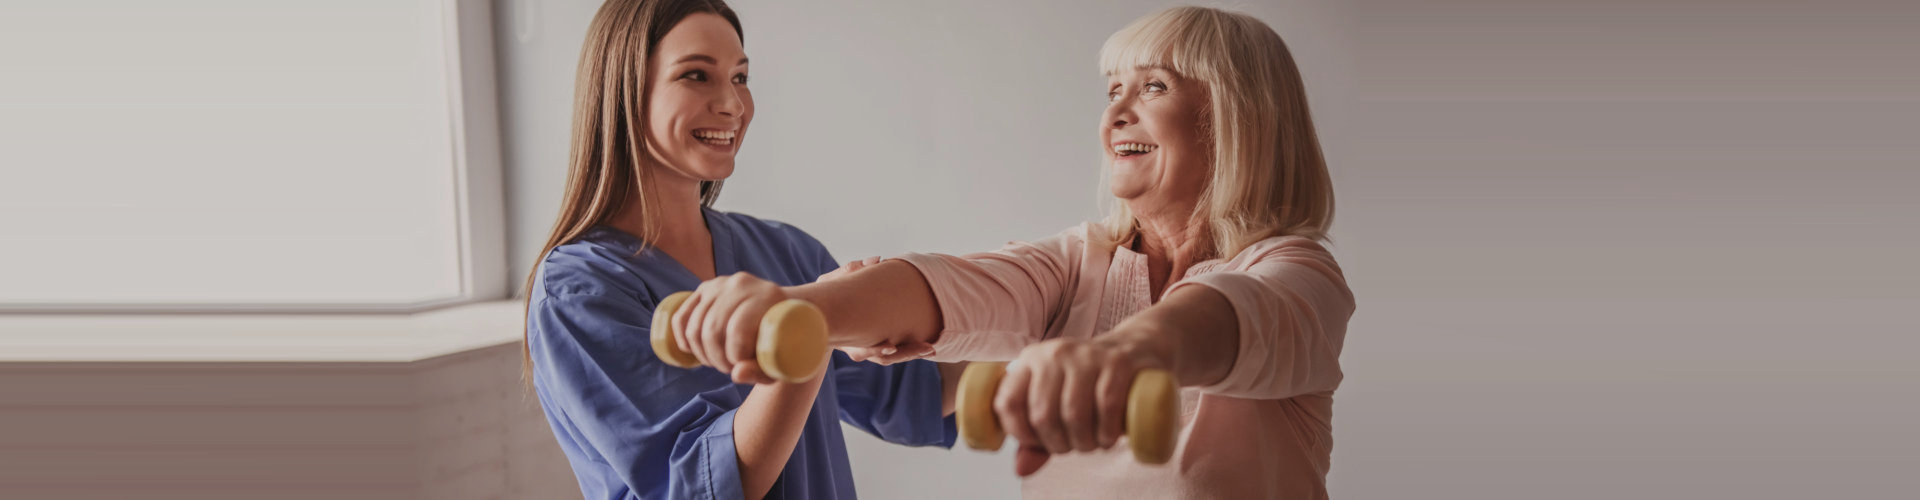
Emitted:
pixel 636 427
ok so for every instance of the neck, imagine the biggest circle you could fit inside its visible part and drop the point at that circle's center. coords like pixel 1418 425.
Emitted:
pixel 679 225
pixel 1172 244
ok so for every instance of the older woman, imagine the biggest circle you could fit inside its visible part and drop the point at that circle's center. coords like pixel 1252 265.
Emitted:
pixel 1209 268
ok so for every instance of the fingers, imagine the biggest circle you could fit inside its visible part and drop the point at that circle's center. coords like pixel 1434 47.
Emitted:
pixel 863 353
pixel 1076 396
pixel 1027 460
pixel 713 334
pixel 856 265
pixel 1010 406
pixel 1111 401
pixel 1043 410
pixel 720 324
pixel 685 320
pixel 887 354
pixel 849 268
pixel 742 332
pixel 905 352
pixel 1077 411
pixel 749 372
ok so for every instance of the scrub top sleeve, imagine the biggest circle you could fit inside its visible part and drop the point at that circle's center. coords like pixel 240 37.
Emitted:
pixel 664 439
pixel 899 403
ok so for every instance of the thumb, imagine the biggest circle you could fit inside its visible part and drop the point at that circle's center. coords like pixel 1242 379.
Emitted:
pixel 1028 460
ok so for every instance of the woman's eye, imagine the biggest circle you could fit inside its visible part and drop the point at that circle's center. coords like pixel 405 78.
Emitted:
pixel 1111 95
pixel 695 75
pixel 740 79
pixel 1156 87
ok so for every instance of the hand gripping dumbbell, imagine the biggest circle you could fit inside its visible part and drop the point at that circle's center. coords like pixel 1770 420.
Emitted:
pixel 1153 410
pixel 792 346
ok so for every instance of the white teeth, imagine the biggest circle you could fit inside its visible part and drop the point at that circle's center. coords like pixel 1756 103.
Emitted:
pixel 1133 147
pixel 714 135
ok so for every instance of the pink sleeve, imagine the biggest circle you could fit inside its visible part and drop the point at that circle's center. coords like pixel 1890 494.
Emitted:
pixel 995 303
pixel 1293 305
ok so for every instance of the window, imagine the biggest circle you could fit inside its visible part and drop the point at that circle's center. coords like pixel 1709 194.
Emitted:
pixel 248 156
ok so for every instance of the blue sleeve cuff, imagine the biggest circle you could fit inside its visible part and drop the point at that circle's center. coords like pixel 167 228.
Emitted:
pixel 951 430
pixel 719 465
pixel 939 430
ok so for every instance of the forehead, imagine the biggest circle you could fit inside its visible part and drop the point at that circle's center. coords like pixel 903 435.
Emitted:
pixel 1142 72
pixel 702 33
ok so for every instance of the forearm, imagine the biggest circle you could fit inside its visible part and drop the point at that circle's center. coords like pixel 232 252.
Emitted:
pixel 766 428
pixel 887 303
pixel 1194 328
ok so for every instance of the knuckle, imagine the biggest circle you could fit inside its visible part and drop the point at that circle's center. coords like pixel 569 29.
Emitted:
pixel 1006 405
pixel 1073 415
pixel 1044 413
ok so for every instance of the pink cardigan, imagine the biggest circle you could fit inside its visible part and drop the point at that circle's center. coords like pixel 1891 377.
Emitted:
pixel 1265 431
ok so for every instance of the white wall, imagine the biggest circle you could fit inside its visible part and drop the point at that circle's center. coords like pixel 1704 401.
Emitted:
pixel 1658 249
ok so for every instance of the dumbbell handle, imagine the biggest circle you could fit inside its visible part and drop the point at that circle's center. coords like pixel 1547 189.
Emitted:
pixel 1153 411
pixel 792 346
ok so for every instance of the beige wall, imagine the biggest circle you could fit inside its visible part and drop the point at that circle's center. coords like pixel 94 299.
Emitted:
pixel 1632 249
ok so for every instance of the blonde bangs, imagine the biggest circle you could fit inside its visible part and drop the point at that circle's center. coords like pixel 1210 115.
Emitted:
pixel 1176 39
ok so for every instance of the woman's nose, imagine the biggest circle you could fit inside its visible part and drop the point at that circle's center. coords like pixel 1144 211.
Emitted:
pixel 729 103
pixel 1119 115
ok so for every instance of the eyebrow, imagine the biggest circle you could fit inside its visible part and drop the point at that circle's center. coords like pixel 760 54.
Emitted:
pixel 706 59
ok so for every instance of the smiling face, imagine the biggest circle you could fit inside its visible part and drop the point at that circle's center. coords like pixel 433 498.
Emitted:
pixel 698 105
pixel 1154 132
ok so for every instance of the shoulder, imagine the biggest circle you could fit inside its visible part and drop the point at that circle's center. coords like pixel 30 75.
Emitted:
pixel 779 242
pixel 586 289
pixel 1069 241
pixel 770 230
pixel 1290 249
pixel 593 264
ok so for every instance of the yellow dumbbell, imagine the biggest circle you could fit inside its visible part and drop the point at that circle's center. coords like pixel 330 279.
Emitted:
pixel 793 339
pixel 1153 410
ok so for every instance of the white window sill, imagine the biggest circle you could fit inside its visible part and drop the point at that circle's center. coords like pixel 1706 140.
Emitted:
pixel 259 338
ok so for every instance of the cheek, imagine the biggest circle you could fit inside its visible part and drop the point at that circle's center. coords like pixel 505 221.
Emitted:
pixel 1188 165
pixel 664 110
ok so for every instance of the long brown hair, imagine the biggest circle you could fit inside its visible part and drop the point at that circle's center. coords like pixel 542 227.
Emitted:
pixel 605 166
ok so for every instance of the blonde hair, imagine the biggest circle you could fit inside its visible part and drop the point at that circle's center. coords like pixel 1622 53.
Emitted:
pixel 605 166
pixel 1269 177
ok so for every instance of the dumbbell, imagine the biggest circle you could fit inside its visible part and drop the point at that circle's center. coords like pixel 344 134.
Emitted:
pixel 1153 410
pixel 792 346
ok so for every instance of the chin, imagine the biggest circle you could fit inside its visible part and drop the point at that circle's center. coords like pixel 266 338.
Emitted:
pixel 717 175
pixel 1124 189
pixel 713 171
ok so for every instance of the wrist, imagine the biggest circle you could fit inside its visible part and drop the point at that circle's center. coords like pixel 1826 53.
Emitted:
pixel 1150 343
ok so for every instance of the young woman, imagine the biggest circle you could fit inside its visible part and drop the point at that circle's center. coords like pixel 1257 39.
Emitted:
pixel 661 107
